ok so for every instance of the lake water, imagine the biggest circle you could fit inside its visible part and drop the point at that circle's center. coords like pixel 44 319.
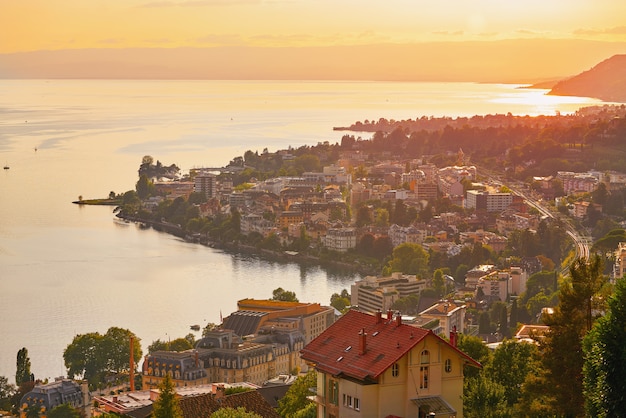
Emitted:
pixel 67 270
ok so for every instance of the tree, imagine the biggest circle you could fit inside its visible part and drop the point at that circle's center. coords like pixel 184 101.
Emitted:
pixel 23 373
pixel 179 344
pixel 64 411
pixel 144 187
pixel 7 390
pixel 340 301
pixel 229 412
pixel 33 411
pixel 482 397
pixel 476 349
pixel 438 282
pixel 562 346
pixel 93 355
pixel 284 295
pixel 511 362
pixel 604 368
pixel 408 258
pixel 296 397
pixel 166 405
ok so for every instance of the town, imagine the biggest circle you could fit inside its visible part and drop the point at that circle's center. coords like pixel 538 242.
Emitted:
pixel 464 252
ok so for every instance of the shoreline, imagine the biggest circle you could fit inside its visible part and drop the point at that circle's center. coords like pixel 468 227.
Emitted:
pixel 303 260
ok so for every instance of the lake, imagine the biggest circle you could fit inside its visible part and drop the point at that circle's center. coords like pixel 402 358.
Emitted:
pixel 67 270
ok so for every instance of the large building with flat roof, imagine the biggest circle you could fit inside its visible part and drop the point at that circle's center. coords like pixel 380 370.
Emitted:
pixel 379 293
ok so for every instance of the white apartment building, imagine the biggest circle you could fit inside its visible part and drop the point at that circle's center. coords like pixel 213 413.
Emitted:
pixel 490 202
pixel 340 239
pixel 379 293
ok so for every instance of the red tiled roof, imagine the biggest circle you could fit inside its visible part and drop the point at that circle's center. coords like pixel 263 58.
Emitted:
pixel 386 342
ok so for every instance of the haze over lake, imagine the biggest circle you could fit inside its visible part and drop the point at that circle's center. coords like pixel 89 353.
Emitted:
pixel 67 270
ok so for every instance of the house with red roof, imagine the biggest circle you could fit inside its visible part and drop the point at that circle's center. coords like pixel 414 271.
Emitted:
pixel 372 366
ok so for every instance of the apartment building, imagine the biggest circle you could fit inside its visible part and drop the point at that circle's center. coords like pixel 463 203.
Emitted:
pixel 379 293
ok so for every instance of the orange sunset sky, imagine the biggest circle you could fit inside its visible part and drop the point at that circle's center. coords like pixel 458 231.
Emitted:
pixel 341 39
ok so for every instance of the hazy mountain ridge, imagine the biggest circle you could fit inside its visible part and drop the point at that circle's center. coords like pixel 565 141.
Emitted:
pixel 505 61
pixel 605 81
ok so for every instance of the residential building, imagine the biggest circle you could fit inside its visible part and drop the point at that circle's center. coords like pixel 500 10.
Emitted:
pixel 230 358
pixel 253 315
pixel 577 182
pixel 288 217
pixel 495 285
pixel 425 190
pixel 519 277
pixel 223 356
pixel 340 239
pixel 206 183
pixel 50 395
pixel 185 368
pixel 472 276
pixel 379 293
pixel 371 367
pixel 443 317
pixel 194 401
pixel 487 201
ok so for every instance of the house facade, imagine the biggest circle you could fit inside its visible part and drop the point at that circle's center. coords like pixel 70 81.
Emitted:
pixel 371 366
pixel 51 395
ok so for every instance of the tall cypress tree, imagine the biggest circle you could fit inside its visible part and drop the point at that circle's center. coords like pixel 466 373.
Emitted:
pixel 604 369
pixel 569 324
pixel 166 406
pixel 22 373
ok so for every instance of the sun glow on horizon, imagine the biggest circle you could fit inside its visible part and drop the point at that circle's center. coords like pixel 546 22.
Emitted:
pixel 43 25
pixel 541 102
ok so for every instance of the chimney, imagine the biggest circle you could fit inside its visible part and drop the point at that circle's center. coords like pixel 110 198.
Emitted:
pixel 131 374
pixel 453 336
pixel 379 317
pixel 219 391
pixel 398 319
pixel 362 342
pixel 389 315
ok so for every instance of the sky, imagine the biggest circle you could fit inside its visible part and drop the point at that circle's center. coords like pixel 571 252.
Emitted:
pixel 38 25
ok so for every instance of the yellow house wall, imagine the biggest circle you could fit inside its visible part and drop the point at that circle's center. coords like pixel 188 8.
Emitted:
pixel 392 396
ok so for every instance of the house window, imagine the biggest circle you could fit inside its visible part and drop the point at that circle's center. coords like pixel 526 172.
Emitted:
pixel 395 370
pixel 357 404
pixel 424 377
pixel 448 365
pixel 425 358
pixel 349 401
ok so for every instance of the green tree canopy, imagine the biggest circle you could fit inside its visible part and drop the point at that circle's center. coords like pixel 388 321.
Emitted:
pixel 166 405
pixel 228 412
pixel 64 411
pixel 562 346
pixel 7 390
pixel 296 397
pixel 511 362
pixel 23 373
pixel 179 344
pixel 284 295
pixel 605 360
pixel 91 356
pixel 408 258
pixel 482 397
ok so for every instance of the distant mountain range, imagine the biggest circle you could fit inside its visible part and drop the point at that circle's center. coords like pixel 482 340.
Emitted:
pixel 606 81
pixel 518 61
